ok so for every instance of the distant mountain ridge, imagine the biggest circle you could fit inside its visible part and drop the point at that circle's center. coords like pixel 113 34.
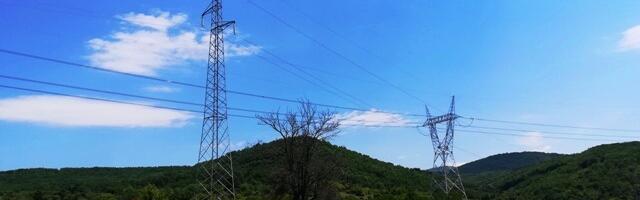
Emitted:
pixel 506 162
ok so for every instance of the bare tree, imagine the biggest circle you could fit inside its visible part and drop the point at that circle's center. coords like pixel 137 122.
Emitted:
pixel 301 132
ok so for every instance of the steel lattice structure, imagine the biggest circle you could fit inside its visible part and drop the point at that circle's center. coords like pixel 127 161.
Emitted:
pixel 443 161
pixel 215 166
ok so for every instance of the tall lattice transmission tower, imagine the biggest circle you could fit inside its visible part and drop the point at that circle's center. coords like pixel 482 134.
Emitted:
pixel 448 177
pixel 215 167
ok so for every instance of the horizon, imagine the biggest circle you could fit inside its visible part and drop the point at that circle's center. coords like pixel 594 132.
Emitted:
pixel 527 76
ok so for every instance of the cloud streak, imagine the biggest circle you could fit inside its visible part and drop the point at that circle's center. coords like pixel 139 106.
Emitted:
pixel 148 43
pixel 161 89
pixel 76 112
pixel 373 118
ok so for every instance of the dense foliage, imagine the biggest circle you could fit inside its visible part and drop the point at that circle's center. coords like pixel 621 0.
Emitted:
pixel 360 177
pixel 480 176
pixel 98 183
pixel 604 172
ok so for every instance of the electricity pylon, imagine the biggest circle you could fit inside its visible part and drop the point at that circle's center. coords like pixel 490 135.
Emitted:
pixel 215 167
pixel 443 161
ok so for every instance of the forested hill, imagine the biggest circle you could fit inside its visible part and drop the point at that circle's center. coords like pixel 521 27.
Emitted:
pixel 604 172
pixel 609 171
pixel 506 162
pixel 360 177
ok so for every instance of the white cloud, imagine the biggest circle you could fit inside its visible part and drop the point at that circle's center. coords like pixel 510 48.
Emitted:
pixel 152 42
pixel 69 111
pixel 630 39
pixel 161 89
pixel 373 118
pixel 534 142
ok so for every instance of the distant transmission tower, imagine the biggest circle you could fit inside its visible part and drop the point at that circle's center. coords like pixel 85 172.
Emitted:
pixel 443 160
pixel 215 169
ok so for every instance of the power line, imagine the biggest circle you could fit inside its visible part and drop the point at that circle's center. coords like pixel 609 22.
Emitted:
pixel 74 64
pixel 173 108
pixel 99 90
pixel 344 93
pixel 253 117
pixel 66 9
pixel 384 81
pixel 114 93
pixel 108 16
pixel 342 56
pixel 148 98
pixel 525 135
pixel 314 83
pixel 305 72
pixel 349 125
pixel 333 74
pixel 551 132
pixel 468 152
pixel 113 101
pixel 551 125
pixel 331 30
pixel 289 100
pixel 542 136
pixel 97 99
pixel 345 38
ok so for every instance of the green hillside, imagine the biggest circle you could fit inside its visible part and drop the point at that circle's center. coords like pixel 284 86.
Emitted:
pixel 360 177
pixel 604 172
pixel 609 171
pixel 481 175
pixel 97 183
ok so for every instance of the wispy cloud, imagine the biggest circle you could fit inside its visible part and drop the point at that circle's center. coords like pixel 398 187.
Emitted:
pixel 373 118
pixel 148 43
pixel 69 111
pixel 161 21
pixel 234 50
pixel 534 141
pixel 161 89
pixel 630 39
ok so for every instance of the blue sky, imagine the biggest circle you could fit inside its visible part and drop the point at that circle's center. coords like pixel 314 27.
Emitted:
pixel 559 62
